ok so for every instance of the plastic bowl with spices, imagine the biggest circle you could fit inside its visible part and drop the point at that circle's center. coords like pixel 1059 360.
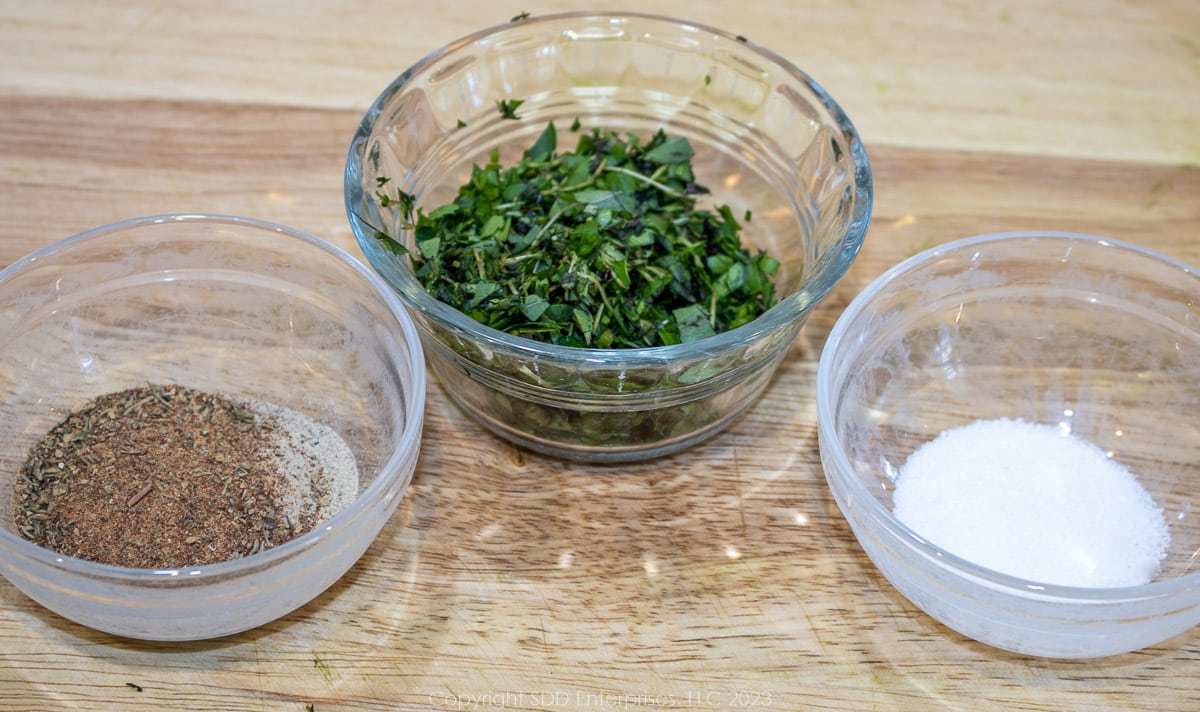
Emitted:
pixel 205 420
pixel 773 151
pixel 1008 424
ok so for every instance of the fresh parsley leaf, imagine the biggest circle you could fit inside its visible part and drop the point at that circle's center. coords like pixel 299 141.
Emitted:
pixel 508 108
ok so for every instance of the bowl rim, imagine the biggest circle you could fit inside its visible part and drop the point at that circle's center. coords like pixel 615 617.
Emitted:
pixel 876 512
pixel 782 313
pixel 202 575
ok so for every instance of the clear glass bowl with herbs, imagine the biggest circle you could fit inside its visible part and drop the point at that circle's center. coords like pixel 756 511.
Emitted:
pixel 694 124
pixel 140 359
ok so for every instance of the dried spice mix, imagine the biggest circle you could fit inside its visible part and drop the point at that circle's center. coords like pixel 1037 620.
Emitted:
pixel 168 476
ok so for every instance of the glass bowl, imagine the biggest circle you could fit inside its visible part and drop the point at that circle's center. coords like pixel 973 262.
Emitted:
pixel 1090 336
pixel 767 139
pixel 226 305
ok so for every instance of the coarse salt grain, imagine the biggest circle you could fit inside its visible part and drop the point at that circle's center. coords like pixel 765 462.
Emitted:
pixel 1027 500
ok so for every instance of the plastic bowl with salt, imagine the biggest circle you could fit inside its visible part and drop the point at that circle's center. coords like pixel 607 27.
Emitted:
pixel 1091 338
pixel 232 306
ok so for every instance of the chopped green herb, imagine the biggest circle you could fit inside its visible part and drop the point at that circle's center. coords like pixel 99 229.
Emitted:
pixel 603 246
pixel 508 108
pixel 741 38
pixel 407 201
pixel 462 124
pixel 707 79
pixel 521 16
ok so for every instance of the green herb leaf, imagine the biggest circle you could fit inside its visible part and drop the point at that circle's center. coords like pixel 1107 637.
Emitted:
pixel 676 150
pixel 430 248
pixel 693 323
pixel 407 201
pixel 601 199
pixel 443 211
pixel 479 292
pixel 545 145
pixel 534 306
pixel 583 319
pixel 508 108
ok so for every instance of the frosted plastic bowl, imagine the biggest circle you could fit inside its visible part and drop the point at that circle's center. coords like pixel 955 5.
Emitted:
pixel 1082 333
pixel 767 139
pixel 227 305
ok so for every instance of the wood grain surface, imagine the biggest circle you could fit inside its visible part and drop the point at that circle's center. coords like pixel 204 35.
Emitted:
pixel 721 578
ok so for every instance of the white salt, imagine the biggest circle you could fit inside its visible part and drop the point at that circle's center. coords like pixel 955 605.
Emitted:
pixel 1027 500
pixel 318 469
